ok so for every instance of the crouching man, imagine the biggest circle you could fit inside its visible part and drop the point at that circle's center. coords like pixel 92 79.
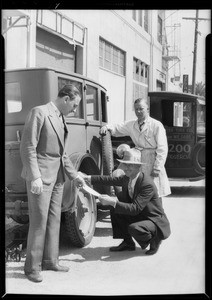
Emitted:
pixel 137 210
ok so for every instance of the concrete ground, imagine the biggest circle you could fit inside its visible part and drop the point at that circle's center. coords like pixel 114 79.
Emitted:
pixel 177 268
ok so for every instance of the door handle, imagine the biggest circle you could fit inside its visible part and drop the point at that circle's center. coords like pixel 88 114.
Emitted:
pixel 87 124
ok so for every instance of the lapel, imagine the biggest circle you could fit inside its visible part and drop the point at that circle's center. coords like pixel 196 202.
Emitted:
pixel 138 185
pixel 56 123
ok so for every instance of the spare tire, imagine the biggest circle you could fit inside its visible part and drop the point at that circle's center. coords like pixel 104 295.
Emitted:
pixel 107 159
pixel 198 157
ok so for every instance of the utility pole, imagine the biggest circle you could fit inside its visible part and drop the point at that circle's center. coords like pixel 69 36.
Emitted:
pixel 195 53
pixel 196 32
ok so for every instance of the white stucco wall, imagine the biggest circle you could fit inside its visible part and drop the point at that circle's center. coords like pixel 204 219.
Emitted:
pixel 118 28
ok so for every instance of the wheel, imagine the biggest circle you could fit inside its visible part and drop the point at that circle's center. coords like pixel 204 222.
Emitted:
pixel 199 157
pixel 79 208
pixel 20 219
pixel 80 224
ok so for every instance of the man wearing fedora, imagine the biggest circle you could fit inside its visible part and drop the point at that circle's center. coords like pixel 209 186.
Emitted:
pixel 137 211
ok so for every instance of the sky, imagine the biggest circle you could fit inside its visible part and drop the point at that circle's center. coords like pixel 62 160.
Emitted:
pixel 184 36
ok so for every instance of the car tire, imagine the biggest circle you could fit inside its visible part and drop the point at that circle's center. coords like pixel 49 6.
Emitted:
pixel 79 209
pixel 80 224
pixel 107 159
pixel 198 157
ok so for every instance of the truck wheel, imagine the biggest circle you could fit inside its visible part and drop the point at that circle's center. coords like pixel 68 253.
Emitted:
pixel 199 157
pixel 79 208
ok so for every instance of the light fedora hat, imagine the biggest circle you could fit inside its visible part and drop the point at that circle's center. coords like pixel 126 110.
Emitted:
pixel 131 156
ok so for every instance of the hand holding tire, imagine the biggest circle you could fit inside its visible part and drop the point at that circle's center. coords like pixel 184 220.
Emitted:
pixel 103 130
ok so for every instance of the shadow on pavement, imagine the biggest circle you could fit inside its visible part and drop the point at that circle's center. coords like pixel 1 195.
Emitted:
pixel 103 254
pixel 15 272
pixel 103 232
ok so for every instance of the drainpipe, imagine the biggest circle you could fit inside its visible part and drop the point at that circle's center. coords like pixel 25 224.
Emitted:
pixel 151 59
pixel 125 91
pixel 28 42
pixel 86 54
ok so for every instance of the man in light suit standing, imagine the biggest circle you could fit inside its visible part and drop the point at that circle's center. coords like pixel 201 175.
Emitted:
pixel 45 164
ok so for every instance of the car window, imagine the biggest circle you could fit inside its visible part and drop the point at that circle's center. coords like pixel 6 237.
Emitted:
pixel 200 119
pixel 92 109
pixel 13 97
pixel 176 113
pixel 104 106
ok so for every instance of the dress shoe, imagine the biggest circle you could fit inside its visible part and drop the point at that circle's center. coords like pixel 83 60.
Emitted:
pixel 55 267
pixel 123 247
pixel 144 245
pixel 154 246
pixel 34 276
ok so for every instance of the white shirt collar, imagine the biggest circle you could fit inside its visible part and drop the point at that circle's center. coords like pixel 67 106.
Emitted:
pixel 144 121
pixel 133 181
pixel 56 109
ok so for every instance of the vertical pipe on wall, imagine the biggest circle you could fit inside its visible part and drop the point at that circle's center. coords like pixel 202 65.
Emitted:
pixel 151 55
pixel 28 42
pixel 86 54
pixel 125 91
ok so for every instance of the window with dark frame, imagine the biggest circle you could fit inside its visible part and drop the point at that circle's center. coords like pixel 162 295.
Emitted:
pixel 141 79
pixel 160 30
pixel 140 71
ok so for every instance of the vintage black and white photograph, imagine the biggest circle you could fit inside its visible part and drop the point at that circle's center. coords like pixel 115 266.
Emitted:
pixel 105 113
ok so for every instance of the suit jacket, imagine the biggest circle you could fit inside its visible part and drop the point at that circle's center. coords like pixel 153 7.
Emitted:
pixel 42 146
pixel 145 202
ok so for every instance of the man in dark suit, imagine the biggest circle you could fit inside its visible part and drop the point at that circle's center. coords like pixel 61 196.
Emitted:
pixel 45 164
pixel 137 211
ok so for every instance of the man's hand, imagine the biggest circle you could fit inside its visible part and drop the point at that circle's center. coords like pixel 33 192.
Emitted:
pixel 37 186
pixel 107 200
pixel 79 181
pixel 85 176
pixel 155 173
pixel 103 130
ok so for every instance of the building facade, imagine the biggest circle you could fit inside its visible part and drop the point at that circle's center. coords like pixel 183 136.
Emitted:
pixel 121 49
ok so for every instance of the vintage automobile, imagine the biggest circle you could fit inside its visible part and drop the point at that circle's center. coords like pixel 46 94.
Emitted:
pixel 89 152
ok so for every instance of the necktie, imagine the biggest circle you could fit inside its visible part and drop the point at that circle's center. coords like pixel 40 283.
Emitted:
pixel 64 124
pixel 130 189
pixel 141 126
